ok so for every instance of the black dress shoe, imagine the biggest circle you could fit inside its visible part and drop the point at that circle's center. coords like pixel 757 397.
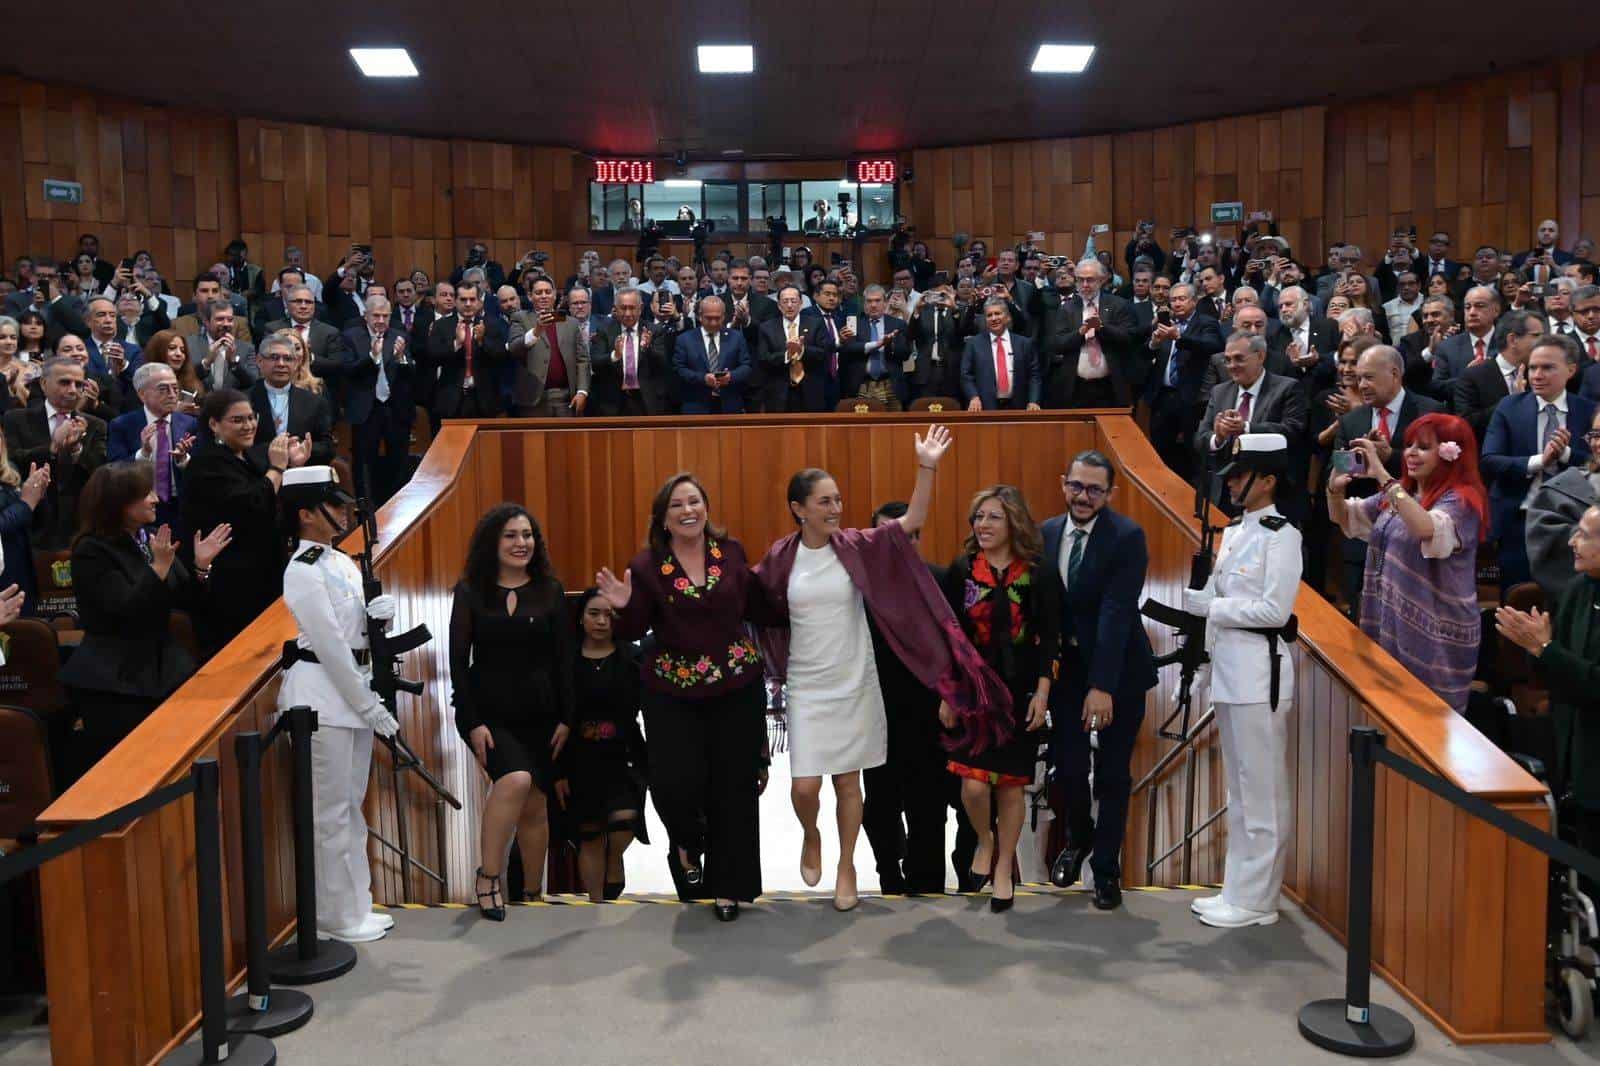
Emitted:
pixel 613 889
pixel 1000 906
pixel 727 912
pixel 1067 866
pixel 1107 893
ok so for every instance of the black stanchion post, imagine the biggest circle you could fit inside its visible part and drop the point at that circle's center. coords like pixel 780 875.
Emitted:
pixel 310 958
pixel 1354 1025
pixel 260 1008
pixel 215 1045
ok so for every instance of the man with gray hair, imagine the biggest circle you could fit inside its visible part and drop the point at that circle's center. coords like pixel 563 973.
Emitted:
pixel 379 405
pixel 1091 341
pixel 870 363
pixel 156 432
pixel 330 356
pixel 107 355
pixel 1388 410
pixel 284 408
pixel 1558 306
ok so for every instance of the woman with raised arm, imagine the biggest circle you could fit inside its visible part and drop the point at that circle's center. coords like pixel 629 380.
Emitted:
pixel 825 579
pixel 704 705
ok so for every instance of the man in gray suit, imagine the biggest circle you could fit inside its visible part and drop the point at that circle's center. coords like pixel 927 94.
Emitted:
pixel 330 356
pixel 551 359
pixel 220 358
pixel 1556 506
pixel 1254 401
pixel 1475 344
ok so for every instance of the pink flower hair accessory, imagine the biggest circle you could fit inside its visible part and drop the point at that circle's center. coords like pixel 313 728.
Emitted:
pixel 1449 451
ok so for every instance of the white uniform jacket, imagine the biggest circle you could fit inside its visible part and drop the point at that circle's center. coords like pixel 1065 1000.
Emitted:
pixel 322 588
pixel 1253 585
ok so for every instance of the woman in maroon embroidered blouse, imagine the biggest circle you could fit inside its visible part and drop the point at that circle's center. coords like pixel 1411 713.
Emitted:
pixel 704 706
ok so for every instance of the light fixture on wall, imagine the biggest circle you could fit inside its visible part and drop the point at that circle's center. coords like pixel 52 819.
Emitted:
pixel 726 58
pixel 384 62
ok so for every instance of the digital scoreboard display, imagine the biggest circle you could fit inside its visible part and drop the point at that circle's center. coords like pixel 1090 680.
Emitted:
pixel 624 171
pixel 873 171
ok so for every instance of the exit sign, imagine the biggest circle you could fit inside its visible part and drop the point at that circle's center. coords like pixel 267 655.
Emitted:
pixel 1233 211
pixel 62 192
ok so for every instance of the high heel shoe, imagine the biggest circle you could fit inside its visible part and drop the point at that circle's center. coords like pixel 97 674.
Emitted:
pixel 845 901
pixel 811 874
pixel 493 912
pixel 981 880
pixel 726 912
pixel 998 905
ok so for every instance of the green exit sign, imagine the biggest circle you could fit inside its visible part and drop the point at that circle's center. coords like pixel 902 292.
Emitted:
pixel 62 192
pixel 1233 211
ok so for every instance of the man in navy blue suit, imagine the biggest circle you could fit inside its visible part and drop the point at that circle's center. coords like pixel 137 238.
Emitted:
pixel 1106 669
pixel 1000 368
pixel 871 363
pixel 1533 435
pixel 156 432
pixel 713 365
pixel 1182 348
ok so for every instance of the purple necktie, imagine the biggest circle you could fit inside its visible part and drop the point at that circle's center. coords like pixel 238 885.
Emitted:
pixel 630 364
pixel 163 462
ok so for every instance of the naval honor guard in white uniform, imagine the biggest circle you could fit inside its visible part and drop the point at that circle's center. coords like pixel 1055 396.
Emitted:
pixel 327 668
pixel 1248 604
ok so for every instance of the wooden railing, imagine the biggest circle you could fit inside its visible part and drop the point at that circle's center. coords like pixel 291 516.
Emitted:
pixel 120 938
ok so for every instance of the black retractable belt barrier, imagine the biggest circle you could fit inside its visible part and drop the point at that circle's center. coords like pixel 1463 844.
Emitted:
pixel 215 1044
pixel 310 958
pixel 260 1008
pixel 1354 1025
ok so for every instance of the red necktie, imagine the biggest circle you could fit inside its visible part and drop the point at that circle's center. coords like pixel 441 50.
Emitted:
pixel 467 381
pixel 1594 352
pixel 1478 353
pixel 1383 421
pixel 1244 409
pixel 1002 374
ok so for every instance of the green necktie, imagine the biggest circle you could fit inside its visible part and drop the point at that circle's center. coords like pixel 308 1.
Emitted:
pixel 1075 559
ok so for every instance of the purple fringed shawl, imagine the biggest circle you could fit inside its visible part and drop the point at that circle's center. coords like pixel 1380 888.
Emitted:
pixel 913 616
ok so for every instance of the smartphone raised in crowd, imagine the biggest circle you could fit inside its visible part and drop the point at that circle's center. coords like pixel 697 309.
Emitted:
pixel 1349 461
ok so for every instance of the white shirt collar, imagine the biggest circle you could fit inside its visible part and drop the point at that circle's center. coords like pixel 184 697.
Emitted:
pixel 151 417
pixel 50 412
pixel 1560 401
pixel 706 337
pixel 273 390
pixel 1005 336
pixel 1253 389
pixel 1072 526
pixel 1257 515
pixel 1506 369
pixel 1398 402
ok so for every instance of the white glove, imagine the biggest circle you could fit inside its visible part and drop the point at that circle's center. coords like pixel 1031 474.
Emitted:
pixel 1198 601
pixel 382 608
pixel 382 722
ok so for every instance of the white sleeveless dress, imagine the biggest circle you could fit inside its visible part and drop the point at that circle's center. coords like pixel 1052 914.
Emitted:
pixel 835 708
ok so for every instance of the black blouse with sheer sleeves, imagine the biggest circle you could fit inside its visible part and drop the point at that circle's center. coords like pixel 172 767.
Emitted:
pixel 509 668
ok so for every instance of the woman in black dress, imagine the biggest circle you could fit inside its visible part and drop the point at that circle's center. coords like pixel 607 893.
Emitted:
pixel 1008 600
pixel 607 750
pixel 511 659
pixel 128 584
pixel 222 484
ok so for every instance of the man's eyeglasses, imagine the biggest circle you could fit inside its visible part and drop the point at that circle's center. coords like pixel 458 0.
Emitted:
pixel 275 357
pixel 1091 492
pixel 166 389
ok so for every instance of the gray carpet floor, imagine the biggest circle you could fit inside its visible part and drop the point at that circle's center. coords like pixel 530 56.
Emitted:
pixel 896 981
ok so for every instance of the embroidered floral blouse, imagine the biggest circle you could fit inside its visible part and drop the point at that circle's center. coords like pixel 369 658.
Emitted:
pixel 702 645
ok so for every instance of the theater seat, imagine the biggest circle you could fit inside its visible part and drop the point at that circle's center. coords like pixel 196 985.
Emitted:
pixel 860 405
pixel 33 659
pixel 25 788
pixel 936 404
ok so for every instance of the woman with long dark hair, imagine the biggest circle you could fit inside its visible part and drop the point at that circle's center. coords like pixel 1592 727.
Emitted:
pixel 222 485
pixel 1009 602
pixel 705 708
pixel 826 579
pixel 608 751
pixel 128 583
pixel 511 659
pixel 1419 596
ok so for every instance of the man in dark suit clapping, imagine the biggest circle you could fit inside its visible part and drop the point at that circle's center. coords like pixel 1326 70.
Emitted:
pixel 870 363
pixel 1000 368
pixel 466 348
pixel 792 351
pixel 1182 346
pixel 1093 335
pixel 1107 668
pixel 380 407
pixel 282 407
pixel 629 365
pixel 57 435
pixel 1254 401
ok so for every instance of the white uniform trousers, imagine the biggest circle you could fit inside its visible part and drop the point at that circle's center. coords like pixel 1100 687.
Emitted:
pixel 341 760
pixel 1255 754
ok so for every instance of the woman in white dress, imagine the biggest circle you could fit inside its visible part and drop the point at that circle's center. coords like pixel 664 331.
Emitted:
pixel 833 703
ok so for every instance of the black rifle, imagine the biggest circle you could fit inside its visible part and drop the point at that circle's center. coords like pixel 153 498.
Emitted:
pixel 385 650
pixel 1190 654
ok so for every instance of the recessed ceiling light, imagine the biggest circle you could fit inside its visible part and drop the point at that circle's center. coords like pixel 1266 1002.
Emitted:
pixel 384 62
pixel 726 58
pixel 1062 58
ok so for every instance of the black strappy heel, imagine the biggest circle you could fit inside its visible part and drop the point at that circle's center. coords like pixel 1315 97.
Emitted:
pixel 491 912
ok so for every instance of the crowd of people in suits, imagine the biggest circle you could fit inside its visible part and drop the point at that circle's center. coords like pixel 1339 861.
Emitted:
pixel 1430 406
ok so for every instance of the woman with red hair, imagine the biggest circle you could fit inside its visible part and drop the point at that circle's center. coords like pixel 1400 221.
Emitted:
pixel 1420 597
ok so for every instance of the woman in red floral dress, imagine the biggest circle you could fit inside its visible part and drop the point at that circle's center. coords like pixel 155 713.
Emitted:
pixel 1009 603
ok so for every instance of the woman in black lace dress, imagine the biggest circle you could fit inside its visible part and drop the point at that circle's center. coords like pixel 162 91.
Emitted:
pixel 511 660
pixel 607 751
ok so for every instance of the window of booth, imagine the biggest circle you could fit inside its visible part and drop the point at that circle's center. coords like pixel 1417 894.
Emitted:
pixel 740 207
